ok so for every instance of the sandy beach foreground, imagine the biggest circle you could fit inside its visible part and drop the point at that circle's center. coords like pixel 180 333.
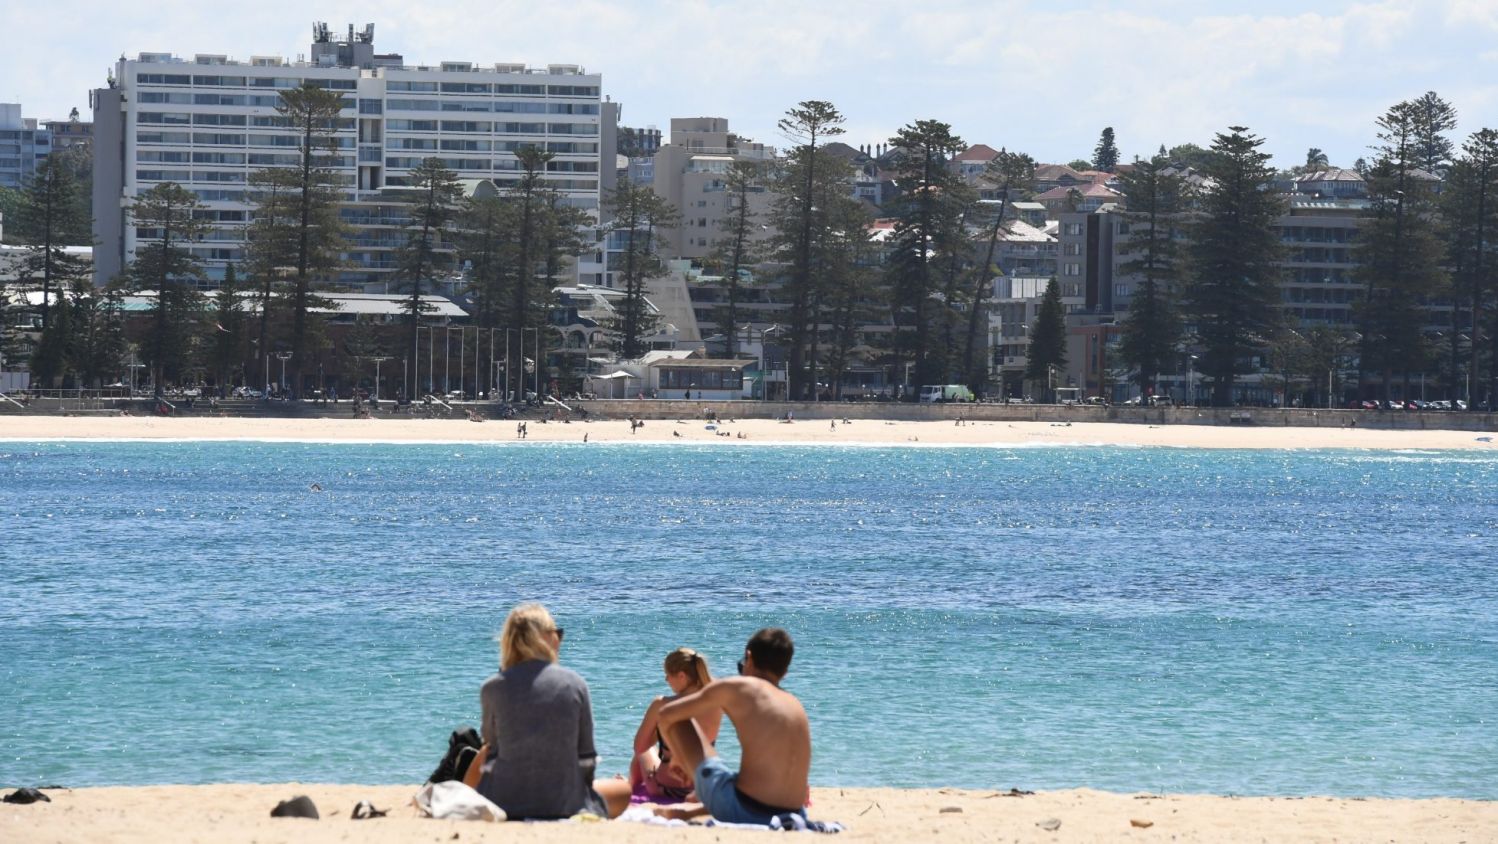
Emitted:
pixel 235 813
pixel 730 433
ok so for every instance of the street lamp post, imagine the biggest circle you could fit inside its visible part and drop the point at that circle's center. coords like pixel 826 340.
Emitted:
pixel 283 357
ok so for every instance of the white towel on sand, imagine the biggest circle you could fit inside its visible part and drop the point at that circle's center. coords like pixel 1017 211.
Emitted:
pixel 454 801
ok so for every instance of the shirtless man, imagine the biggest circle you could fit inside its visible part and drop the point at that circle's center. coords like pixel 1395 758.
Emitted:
pixel 772 729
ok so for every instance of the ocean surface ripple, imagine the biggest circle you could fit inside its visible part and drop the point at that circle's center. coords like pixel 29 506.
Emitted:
pixel 1166 620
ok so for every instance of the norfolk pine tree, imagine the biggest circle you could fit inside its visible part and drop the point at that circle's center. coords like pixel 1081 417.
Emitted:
pixel 96 338
pixel 1047 348
pixel 1232 292
pixel 1470 207
pixel 304 199
pixel 928 229
pixel 433 196
pixel 228 328
pixel 1156 199
pixel 1399 254
pixel 810 122
pixel 734 252
pixel 1012 172
pixel 170 213
pixel 851 289
pixel 637 211
pixel 1105 156
pixel 50 217
pixel 1431 118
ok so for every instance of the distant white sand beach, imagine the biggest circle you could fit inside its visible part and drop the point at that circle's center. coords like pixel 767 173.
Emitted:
pixel 731 432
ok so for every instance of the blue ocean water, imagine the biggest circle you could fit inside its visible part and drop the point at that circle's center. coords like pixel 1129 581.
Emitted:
pixel 1127 619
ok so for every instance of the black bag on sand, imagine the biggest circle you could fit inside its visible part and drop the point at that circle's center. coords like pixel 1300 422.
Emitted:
pixel 300 806
pixel 26 795
pixel 462 748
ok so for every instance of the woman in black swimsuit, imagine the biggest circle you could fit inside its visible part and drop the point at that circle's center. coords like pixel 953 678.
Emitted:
pixel 652 775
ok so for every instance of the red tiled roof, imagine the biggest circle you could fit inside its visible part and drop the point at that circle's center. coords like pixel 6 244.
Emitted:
pixel 977 152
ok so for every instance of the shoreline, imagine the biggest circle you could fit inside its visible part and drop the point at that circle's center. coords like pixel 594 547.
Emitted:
pixel 240 812
pixel 762 432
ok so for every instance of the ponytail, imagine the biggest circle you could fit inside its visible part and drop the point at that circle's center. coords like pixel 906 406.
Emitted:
pixel 691 663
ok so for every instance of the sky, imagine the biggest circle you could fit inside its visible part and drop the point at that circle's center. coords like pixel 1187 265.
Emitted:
pixel 1039 77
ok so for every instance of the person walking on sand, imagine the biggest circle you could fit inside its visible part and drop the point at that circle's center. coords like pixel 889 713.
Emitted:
pixel 773 733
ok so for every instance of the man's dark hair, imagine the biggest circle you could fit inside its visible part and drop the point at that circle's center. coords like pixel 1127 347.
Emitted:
pixel 772 650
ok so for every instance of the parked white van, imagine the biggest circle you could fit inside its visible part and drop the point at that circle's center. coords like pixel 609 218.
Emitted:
pixel 932 393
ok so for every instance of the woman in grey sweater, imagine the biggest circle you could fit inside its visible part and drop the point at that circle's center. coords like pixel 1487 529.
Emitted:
pixel 538 756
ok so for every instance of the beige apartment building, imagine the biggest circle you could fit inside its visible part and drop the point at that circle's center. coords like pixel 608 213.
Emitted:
pixel 691 173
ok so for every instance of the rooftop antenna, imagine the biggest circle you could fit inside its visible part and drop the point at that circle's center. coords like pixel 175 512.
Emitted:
pixel 320 33
pixel 368 36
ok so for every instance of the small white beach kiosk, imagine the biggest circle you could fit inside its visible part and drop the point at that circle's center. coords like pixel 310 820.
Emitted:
pixel 614 385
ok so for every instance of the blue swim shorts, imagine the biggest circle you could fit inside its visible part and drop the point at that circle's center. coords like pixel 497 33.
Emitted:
pixel 717 788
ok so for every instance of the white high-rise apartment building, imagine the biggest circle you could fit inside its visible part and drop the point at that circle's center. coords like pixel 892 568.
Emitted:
pixel 208 122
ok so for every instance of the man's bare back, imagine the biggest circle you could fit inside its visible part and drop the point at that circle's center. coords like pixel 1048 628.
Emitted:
pixel 776 740
pixel 773 732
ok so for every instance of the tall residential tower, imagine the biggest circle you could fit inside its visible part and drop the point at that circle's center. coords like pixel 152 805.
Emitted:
pixel 208 122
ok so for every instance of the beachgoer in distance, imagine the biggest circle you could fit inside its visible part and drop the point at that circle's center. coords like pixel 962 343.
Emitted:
pixel 652 770
pixel 538 756
pixel 772 730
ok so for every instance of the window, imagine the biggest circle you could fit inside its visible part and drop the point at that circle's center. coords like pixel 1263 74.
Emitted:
pixel 411 105
pixel 162 79
pixel 163 175
pixel 526 90
pixel 274 82
pixel 219 99
pixel 263 159
pixel 371 106
pixel 461 145
pixel 466 125
pixel 574 128
pixel 180 118
pixel 172 97
pixel 571 108
pixel 520 128
pixel 231 81
pixel 572 90
pixel 218 157
pixel 411 125
pixel 571 146
pixel 1073 269
pixel 158 156
pixel 218 119
pixel 466 88
pixel 519 107
pixel 1073 229
pixel 220 176
pixel 163 137
pixel 467 105
pixel 1071 249
pixel 272 140
pixel 424 87
pixel 414 143
pixel 572 166
pixel 215 139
